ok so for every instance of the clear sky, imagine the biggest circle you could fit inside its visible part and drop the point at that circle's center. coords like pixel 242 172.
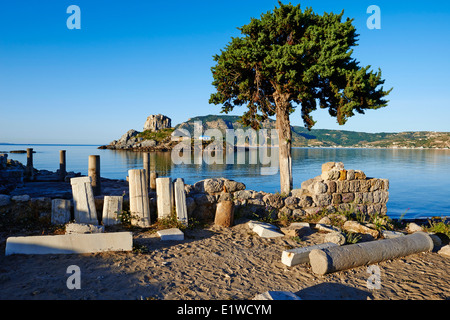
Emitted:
pixel 134 58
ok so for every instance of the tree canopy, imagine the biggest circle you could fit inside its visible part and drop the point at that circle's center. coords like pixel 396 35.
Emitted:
pixel 299 59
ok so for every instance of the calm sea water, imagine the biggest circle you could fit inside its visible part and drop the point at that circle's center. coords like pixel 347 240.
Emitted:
pixel 419 179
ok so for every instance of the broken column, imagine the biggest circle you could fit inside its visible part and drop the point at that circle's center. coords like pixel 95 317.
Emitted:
pixel 62 165
pixel 153 176
pixel 83 200
pixel 340 258
pixel 60 211
pixel 112 208
pixel 139 201
pixel 164 197
pixel 180 201
pixel 94 173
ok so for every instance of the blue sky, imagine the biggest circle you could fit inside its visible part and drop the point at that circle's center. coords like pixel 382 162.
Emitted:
pixel 135 58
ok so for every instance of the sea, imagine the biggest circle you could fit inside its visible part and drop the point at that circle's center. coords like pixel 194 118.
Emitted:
pixel 419 178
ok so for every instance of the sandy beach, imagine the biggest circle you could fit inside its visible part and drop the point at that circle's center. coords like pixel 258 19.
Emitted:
pixel 214 263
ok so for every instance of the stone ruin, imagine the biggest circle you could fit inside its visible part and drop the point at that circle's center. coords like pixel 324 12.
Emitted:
pixel 157 122
pixel 336 189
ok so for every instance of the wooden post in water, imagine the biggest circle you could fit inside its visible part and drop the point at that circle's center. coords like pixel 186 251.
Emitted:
pixel 139 201
pixel 146 157
pixel 62 164
pixel 29 169
pixel 94 173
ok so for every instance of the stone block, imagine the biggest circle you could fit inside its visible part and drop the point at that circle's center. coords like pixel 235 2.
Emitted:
pixel 350 175
pixel 335 237
pixel 21 198
pixel 224 214
pixel 343 175
pixel 60 211
pixel 354 186
pixel 336 198
pixel 265 230
pixel 322 200
pixel 164 196
pixel 360 175
pixel 70 243
pixel 83 200
pixel 180 201
pixel 445 251
pixel 173 234
pixel 331 175
pixel 331 186
pixel 354 226
pixel 375 184
pixel 139 200
pixel 4 200
pixel 297 256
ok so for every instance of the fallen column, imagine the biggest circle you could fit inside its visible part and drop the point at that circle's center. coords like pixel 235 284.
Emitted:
pixel 340 258
pixel 139 201
pixel 297 256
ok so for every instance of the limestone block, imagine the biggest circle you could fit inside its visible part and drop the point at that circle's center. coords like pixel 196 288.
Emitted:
pixel 340 258
pixel 83 200
pixel 385 186
pixel 277 295
pixel 342 186
pixel 354 186
pixel 173 234
pixel 354 226
pixel 224 214
pixel 318 187
pixel 348 197
pixel 164 196
pixel 265 230
pixel 445 251
pixel 375 184
pixel 70 243
pixel 336 198
pixel 335 237
pixel 413 227
pixel 331 186
pixel 322 200
pixel 343 175
pixel 139 200
pixel 297 256
pixel 112 208
pixel 60 211
pixel 83 228
pixel 360 175
pixel 180 201
pixel 331 175
pixel 388 234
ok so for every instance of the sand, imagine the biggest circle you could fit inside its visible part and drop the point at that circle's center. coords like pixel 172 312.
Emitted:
pixel 214 263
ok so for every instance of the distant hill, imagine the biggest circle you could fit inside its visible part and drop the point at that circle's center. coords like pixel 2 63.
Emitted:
pixel 301 137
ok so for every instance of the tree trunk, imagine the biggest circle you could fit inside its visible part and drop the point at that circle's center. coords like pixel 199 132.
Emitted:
pixel 283 125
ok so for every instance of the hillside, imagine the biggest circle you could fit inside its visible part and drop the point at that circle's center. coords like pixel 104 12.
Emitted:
pixel 301 137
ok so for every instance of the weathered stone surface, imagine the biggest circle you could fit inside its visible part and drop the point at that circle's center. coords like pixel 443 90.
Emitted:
pixel 360 175
pixel 388 234
pixel 319 187
pixel 413 227
pixel 354 226
pixel 112 208
pixel 277 295
pixel 180 201
pixel 445 251
pixel 232 186
pixel 350 174
pixel 297 256
pixel 4 200
pixel 292 202
pixel 157 122
pixel 335 237
pixel 243 194
pixel 331 186
pixel 342 186
pixel 60 211
pixel 173 234
pixel 79 228
pixel 139 201
pixel 164 197
pixel 83 200
pixel 22 198
pixel 265 230
pixel 322 200
pixel 333 174
pixel 274 200
pixel 326 228
pixel 348 197
pixel 70 243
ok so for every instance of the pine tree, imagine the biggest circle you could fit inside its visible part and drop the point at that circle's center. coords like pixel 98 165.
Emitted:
pixel 293 59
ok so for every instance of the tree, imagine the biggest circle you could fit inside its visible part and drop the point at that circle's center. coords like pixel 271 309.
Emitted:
pixel 290 59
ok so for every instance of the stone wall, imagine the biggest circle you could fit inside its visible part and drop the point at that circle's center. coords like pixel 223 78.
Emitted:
pixel 336 189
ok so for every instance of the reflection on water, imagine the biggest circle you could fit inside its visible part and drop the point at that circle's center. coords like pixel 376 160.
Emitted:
pixel 419 179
